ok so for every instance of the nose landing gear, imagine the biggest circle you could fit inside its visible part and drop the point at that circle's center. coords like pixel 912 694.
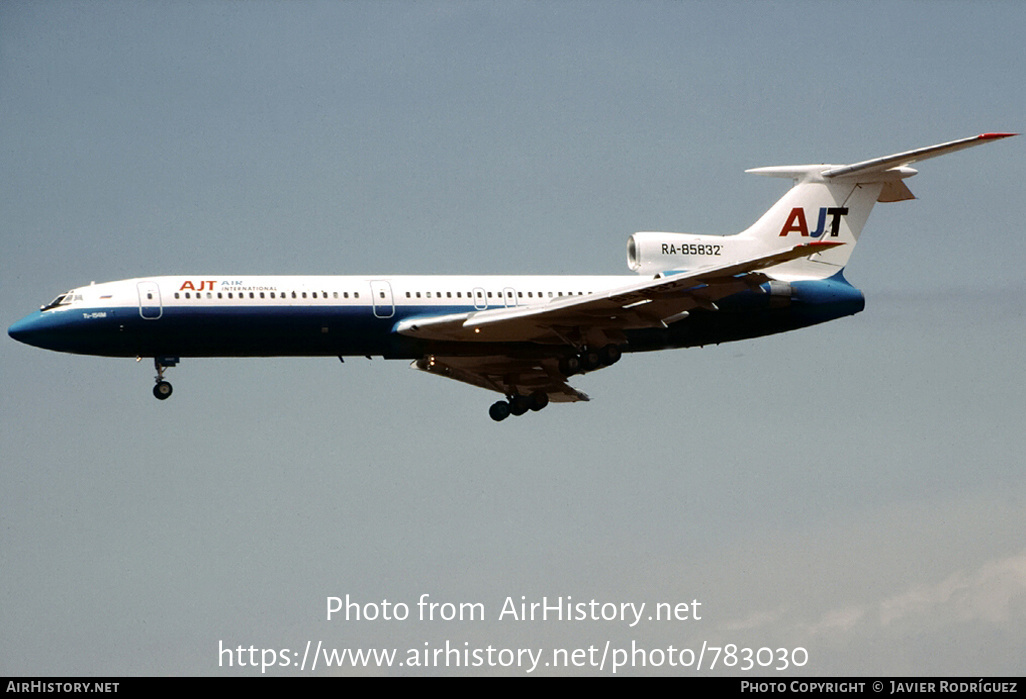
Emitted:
pixel 162 391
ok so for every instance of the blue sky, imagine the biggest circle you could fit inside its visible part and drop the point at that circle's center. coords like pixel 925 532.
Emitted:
pixel 855 489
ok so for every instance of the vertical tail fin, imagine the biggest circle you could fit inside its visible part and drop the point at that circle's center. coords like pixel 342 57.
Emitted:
pixel 832 203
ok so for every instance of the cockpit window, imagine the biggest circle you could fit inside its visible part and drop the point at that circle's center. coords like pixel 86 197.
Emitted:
pixel 62 300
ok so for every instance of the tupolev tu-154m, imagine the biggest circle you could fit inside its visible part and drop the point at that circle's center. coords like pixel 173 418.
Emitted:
pixel 523 337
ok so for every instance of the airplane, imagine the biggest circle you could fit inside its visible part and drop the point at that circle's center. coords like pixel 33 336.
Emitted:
pixel 520 336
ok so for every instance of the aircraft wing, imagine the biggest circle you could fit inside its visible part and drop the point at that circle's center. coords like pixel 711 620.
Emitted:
pixel 506 374
pixel 647 304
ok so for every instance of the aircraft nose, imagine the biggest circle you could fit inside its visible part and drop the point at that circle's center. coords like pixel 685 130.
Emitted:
pixel 27 329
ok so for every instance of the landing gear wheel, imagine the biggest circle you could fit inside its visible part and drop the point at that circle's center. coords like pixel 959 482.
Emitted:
pixel 518 405
pixel 610 354
pixel 590 360
pixel 539 399
pixel 568 366
pixel 162 391
pixel 499 411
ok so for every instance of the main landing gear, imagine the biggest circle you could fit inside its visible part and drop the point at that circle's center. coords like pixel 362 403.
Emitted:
pixel 518 405
pixel 162 391
pixel 587 360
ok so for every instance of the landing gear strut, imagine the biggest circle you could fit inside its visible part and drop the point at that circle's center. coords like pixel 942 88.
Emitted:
pixel 518 405
pixel 162 391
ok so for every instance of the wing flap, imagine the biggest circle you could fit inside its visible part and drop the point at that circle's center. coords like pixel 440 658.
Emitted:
pixel 504 374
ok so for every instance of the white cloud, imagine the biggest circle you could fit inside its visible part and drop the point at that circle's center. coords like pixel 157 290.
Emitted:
pixel 995 593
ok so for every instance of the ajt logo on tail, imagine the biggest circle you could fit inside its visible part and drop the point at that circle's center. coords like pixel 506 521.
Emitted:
pixel 796 222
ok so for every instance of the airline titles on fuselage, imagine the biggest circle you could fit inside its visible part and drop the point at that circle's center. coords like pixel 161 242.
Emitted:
pixel 234 285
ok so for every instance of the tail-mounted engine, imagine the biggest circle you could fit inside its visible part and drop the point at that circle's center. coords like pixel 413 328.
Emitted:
pixel 653 253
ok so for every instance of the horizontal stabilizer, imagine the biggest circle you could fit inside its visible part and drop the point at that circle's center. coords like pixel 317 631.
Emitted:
pixel 913 156
pixel 896 166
